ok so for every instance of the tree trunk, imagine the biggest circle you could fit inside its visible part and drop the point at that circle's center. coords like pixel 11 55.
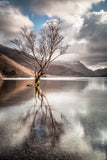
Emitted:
pixel 37 78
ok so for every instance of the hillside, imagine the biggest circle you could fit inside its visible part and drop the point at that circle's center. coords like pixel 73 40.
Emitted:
pixel 14 63
pixel 61 70
pixel 77 68
pixel 101 72
pixel 17 56
pixel 9 68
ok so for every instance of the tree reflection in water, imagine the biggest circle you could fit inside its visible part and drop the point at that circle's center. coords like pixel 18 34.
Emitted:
pixel 44 132
pixel 36 133
pixel 44 127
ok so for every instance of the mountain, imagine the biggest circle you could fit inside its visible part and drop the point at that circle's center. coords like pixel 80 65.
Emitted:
pixel 101 72
pixel 14 63
pixel 61 70
pixel 17 56
pixel 77 68
pixel 9 68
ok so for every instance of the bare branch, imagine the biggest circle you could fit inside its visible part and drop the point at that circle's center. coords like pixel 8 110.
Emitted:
pixel 48 44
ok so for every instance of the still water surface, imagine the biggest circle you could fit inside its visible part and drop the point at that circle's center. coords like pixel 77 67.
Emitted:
pixel 65 119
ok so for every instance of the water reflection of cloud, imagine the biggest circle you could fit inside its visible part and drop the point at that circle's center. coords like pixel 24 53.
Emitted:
pixel 67 103
pixel 13 131
pixel 14 92
pixel 73 141
pixel 96 84
pixel 85 111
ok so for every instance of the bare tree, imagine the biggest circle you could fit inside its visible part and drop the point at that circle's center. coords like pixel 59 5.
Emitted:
pixel 45 49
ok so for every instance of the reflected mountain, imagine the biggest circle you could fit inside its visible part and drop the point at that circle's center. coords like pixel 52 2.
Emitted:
pixel 1 82
pixel 18 92
pixel 56 86
pixel 14 91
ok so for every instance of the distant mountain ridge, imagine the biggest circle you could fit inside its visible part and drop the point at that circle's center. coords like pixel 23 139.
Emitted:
pixel 78 67
pixel 14 63
pixel 101 72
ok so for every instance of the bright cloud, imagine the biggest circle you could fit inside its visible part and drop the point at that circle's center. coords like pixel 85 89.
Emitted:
pixel 11 19
pixel 64 9
pixel 61 8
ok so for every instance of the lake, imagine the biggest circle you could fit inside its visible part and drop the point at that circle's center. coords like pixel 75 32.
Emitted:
pixel 64 118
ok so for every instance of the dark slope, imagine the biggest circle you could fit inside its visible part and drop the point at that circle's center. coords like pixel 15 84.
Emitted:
pixel 10 68
pixel 17 56
pixel 14 63
pixel 101 72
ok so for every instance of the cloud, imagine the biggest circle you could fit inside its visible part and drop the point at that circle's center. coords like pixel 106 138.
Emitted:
pixel 65 9
pixel 94 30
pixel 88 39
pixel 11 19
pixel 91 51
pixel 70 11
pixel 87 34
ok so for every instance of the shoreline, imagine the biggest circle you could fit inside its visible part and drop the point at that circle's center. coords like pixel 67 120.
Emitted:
pixel 52 78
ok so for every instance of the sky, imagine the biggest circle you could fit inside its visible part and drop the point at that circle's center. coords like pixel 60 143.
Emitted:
pixel 84 25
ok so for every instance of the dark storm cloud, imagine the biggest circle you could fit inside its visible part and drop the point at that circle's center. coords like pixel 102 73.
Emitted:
pixel 94 30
